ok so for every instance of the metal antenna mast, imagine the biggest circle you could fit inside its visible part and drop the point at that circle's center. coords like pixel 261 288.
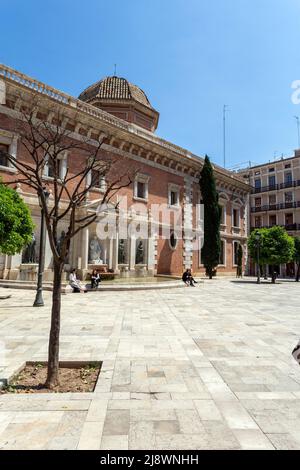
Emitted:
pixel 298 128
pixel 225 107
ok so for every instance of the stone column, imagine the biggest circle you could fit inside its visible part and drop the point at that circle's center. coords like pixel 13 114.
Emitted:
pixel 150 246
pixel 131 255
pixel 110 253
pixel 115 249
pixel 84 252
pixel 48 275
pixel 115 257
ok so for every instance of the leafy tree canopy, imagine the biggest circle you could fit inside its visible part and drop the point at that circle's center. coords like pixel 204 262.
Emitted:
pixel 276 246
pixel 16 225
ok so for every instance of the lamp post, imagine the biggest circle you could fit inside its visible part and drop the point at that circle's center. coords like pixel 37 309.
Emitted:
pixel 39 302
pixel 258 240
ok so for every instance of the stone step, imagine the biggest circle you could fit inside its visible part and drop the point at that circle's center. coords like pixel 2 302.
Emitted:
pixel 104 287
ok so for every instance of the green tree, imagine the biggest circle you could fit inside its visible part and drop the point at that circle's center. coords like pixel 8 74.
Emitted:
pixel 212 218
pixel 239 268
pixel 297 256
pixel 16 225
pixel 276 247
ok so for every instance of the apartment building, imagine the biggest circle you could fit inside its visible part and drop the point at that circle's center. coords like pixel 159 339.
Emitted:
pixel 275 197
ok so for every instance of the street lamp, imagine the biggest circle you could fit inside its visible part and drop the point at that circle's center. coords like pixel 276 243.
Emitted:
pixel 258 241
pixel 39 302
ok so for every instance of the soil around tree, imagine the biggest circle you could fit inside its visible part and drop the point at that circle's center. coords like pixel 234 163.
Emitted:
pixel 71 379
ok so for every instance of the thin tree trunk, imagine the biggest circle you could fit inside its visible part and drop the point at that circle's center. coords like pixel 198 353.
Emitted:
pixel 298 273
pixel 273 275
pixel 53 348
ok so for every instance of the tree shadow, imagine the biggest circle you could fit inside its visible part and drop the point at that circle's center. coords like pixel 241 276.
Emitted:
pixel 255 282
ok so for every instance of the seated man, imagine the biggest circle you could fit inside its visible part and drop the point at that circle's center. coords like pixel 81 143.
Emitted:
pixel 188 279
pixel 75 283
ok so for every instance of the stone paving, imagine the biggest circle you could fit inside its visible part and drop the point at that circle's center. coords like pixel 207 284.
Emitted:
pixel 202 368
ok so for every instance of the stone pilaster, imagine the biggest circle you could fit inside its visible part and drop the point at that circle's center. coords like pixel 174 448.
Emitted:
pixel 188 223
pixel 150 246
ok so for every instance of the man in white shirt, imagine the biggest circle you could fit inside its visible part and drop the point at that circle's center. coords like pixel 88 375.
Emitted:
pixel 75 283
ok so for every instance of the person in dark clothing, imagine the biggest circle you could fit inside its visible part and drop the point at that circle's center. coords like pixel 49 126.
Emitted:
pixel 95 279
pixel 188 279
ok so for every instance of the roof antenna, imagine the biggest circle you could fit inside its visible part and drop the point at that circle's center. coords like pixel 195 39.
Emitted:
pixel 115 70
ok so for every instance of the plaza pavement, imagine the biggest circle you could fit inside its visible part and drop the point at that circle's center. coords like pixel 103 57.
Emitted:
pixel 194 368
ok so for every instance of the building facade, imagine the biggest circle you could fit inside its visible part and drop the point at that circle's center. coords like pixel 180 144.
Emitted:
pixel 275 197
pixel 120 113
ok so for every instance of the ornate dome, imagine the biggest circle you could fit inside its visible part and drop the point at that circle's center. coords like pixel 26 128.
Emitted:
pixel 123 99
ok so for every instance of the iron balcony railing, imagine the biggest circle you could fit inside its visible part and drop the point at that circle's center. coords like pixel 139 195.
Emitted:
pixel 276 187
pixel 276 207
pixel 288 227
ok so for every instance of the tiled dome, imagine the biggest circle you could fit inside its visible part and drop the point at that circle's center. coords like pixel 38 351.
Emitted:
pixel 123 99
pixel 115 88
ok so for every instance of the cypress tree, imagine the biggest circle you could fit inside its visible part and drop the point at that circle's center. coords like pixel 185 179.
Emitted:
pixel 212 218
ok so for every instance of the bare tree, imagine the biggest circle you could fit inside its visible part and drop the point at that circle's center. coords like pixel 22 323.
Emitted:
pixel 44 143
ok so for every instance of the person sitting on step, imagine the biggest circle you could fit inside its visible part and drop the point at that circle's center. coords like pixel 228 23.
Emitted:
pixel 75 283
pixel 95 278
pixel 188 279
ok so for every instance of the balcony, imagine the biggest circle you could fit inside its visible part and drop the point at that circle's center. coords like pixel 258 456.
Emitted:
pixel 276 187
pixel 276 207
pixel 288 228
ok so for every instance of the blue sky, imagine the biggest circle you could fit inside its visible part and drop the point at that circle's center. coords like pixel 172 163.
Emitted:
pixel 190 57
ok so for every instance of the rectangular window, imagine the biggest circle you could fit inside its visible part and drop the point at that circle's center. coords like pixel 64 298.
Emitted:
pixel 141 187
pixel 174 198
pixel 272 220
pixel 257 222
pixel 3 158
pixel 222 253
pixel 235 218
pixel 223 215
pixel 98 180
pixel 288 177
pixel 258 183
pixel 289 220
pixel 50 167
pixel 141 190
pixel 271 170
pixel 272 181
pixel 257 201
pixel 95 179
pixel 272 199
pixel 288 197
pixel 235 253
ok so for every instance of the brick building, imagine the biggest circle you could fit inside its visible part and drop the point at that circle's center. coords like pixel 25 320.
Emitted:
pixel 166 174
